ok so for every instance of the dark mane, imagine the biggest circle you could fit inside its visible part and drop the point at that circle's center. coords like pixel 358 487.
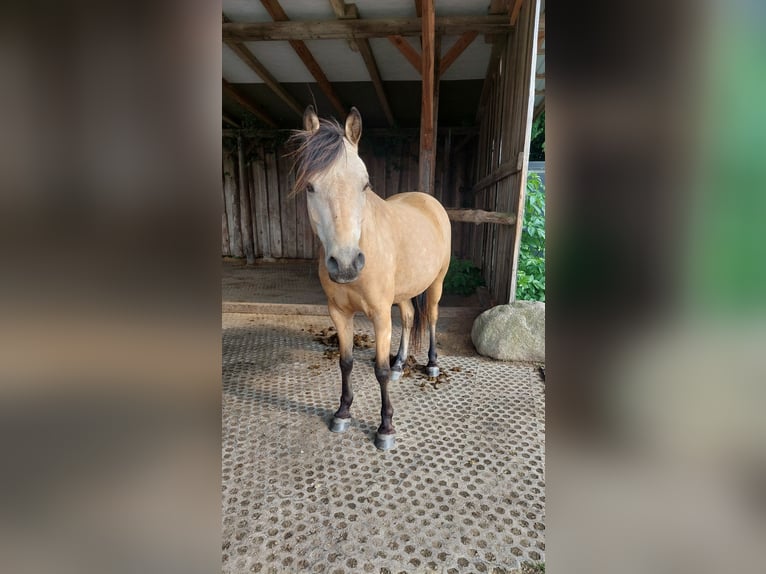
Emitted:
pixel 316 151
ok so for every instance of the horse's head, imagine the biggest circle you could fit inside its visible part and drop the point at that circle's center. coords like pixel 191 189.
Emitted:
pixel 335 180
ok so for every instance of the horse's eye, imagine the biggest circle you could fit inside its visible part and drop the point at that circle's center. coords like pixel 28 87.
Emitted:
pixel 366 186
pixel 309 188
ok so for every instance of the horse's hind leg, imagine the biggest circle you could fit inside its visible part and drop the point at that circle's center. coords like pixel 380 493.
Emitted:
pixel 344 324
pixel 433 296
pixel 408 313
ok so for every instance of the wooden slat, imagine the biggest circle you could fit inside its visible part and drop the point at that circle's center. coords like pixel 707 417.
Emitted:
pixel 287 208
pixel 410 53
pixel 359 28
pixel 245 213
pixel 504 170
pixel 301 222
pixel 234 94
pixel 275 218
pixel 425 180
pixel 261 204
pixel 454 52
pixel 497 48
pixel 229 120
pixel 232 206
pixel 225 247
pixel 278 14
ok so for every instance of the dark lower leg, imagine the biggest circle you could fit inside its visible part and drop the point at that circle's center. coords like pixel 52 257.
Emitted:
pixel 347 395
pixel 401 356
pixel 432 346
pixel 382 373
pixel 407 312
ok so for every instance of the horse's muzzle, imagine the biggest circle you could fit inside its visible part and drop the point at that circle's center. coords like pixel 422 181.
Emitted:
pixel 342 271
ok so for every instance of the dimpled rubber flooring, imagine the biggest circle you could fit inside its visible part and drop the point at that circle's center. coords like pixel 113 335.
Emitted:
pixel 462 491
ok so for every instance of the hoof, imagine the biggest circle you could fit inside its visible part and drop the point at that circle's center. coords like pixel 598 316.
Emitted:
pixel 395 375
pixel 432 371
pixel 385 441
pixel 340 425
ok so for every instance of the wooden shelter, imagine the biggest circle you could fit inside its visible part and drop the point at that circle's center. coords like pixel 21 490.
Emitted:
pixel 447 90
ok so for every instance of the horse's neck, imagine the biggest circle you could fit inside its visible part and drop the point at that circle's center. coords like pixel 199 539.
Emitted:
pixel 376 209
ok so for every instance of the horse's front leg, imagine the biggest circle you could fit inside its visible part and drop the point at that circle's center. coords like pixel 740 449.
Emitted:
pixel 385 438
pixel 344 324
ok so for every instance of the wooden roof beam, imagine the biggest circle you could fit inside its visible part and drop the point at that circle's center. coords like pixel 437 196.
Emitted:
pixel 454 52
pixel 350 12
pixel 235 95
pixel 410 53
pixel 255 65
pixel 361 28
pixel 278 15
pixel 229 120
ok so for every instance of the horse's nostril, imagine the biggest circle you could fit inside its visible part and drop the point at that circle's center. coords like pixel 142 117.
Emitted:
pixel 359 262
pixel 332 265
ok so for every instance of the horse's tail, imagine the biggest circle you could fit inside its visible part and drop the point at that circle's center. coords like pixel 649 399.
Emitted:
pixel 419 321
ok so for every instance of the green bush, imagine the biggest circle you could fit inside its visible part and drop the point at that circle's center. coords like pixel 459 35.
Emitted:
pixel 462 278
pixel 530 279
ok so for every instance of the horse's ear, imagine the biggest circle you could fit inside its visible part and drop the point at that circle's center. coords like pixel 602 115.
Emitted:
pixel 354 126
pixel 310 119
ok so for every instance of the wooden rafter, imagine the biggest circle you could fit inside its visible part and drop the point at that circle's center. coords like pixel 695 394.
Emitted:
pixel 457 48
pixel 234 94
pixel 360 28
pixel 350 11
pixel 229 120
pixel 515 11
pixel 427 144
pixel 372 67
pixel 498 6
pixel 279 16
pixel 255 65
pixel 410 53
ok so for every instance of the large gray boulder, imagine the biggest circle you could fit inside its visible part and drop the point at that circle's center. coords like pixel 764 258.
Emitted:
pixel 513 332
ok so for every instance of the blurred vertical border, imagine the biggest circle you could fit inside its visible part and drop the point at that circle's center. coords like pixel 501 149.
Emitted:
pixel 110 286
pixel 656 204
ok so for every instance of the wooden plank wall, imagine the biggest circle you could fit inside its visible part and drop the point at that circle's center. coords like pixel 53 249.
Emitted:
pixel 503 141
pixel 279 219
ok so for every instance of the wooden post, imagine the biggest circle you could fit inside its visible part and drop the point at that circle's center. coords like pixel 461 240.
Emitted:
pixel 427 136
pixel 244 206
pixel 527 101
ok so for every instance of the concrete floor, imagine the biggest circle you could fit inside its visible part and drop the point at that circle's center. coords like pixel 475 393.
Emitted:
pixel 462 491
